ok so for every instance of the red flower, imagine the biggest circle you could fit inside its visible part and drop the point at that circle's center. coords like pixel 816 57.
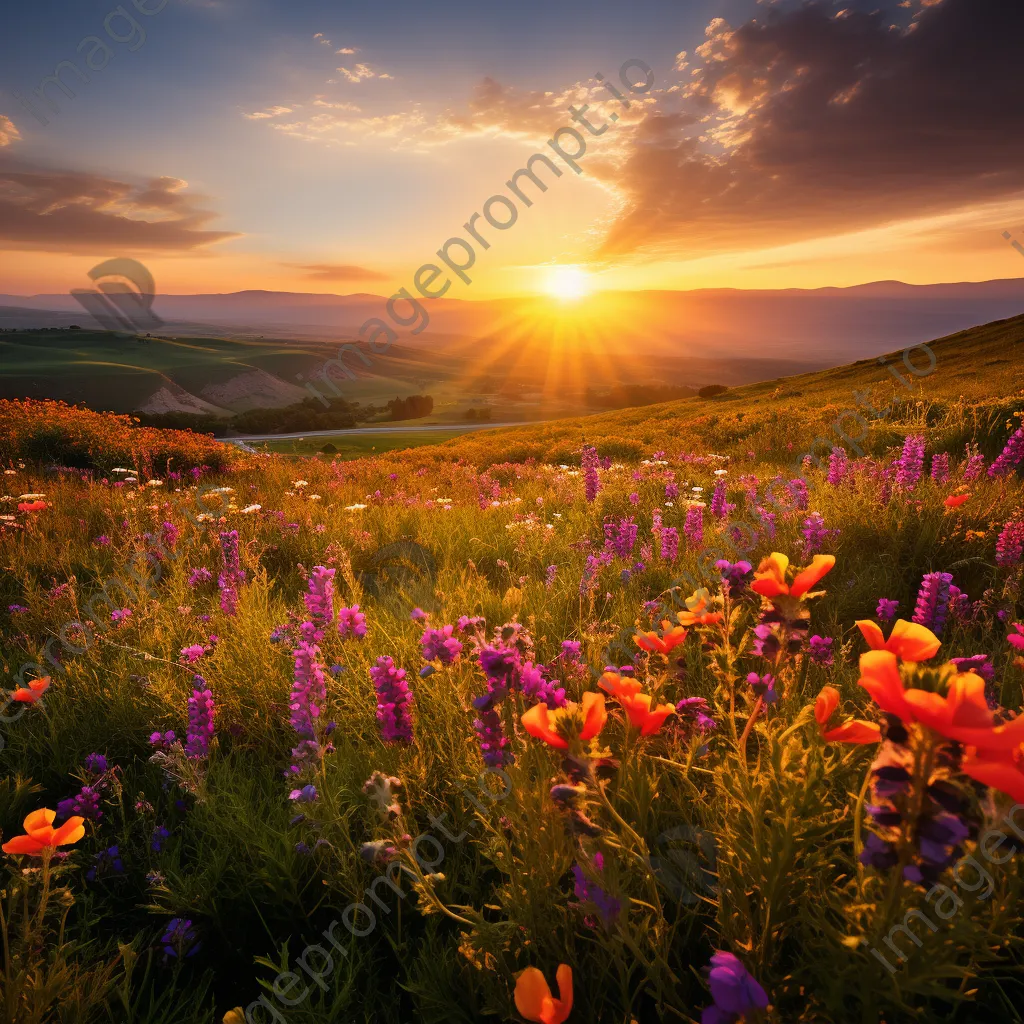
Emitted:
pixel 33 692
pixel 41 835
pixel 909 641
pixel 534 1000
pixel 854 731
pixel 549 725
pixel 672 637
pixel 962 714
pixel 770 578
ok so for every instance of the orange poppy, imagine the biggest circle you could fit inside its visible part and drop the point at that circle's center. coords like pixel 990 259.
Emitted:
pixel 961 715
pixel 33 692
pixel 770 577
pixel 955 500
pixel 534 1000
pixel 696 614
pixel 32 506
pixel 855 730
pixel 637 705
pixel 618 686
pixel 999 770
pixel 544 725
pixel 672 636
pixel 908 640
pixel 41 835
pixel 646 719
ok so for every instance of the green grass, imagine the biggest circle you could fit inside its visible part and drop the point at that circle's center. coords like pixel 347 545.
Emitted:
pixel 746 843
pixel 351 445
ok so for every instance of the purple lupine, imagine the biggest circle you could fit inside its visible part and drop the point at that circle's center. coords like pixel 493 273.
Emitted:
pixel 750 483
pixel 932 605
pixel 163 740
pixel 767 521
pixel 815 533
pixel 393 701
pixel 191 654
pixel 199 576
pixel 501 665
pixel 693 526
pixel 720 507
pixel 591 480
pixel 232 575
pixel 940 468
pixel 979 664
pixel 668 539
pixel 351 622
pixel 910 464
pixel 974 465
pixel 549 576
pixel 737 996
pixel 86 803
pixel 320 597
pixel 538 689
pixel 735 575
pixel 587 891
pixel 693 711
pixel 309 690
pixel 96 764
pixel 1010 457
pixel 671 491
pixel 201 713
pixel 886 610
pixel 798 490
pixel 491 736
pixel 838 465
pixel 1010 545
pixel 621 537
pixel 588 581
pixel 763 686
pixel 820 651
pixel 169 534
pixel 179 940
pixel 440 645
pixel 106 862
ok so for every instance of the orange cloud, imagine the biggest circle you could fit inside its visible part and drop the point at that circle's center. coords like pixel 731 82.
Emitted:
pixel 8 132
pixel 63 210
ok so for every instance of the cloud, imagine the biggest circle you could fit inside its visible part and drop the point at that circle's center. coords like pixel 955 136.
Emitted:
pixel 62 210
pixel 8 132
pixel 261 115
pixel 361 73
pixel 347 50
pixel 492 110
pixel 337 272
pixel 823 118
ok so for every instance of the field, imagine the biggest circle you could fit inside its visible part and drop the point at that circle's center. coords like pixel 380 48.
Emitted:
pixel 563 739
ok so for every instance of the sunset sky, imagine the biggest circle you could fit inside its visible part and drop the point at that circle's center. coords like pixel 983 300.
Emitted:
pixel 334 147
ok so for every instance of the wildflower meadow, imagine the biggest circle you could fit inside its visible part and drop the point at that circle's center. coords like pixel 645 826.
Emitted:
pixel 687 730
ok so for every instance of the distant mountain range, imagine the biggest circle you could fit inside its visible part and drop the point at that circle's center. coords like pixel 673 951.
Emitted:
pixel 819 327
pixel 524 357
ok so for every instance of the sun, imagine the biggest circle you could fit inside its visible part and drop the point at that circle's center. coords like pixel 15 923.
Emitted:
pixel 568 283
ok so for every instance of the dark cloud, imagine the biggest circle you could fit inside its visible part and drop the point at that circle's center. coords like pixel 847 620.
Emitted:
pixel 817 119
pixel 337 272
pixel 75 211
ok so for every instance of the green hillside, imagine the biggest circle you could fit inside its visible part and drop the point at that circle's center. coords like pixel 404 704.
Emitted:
pixel 780 419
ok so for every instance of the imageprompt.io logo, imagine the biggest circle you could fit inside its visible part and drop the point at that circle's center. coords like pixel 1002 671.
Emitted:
pixel 115 305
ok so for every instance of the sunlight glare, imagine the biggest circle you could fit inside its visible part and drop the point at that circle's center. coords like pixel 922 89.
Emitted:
pixel 567 283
